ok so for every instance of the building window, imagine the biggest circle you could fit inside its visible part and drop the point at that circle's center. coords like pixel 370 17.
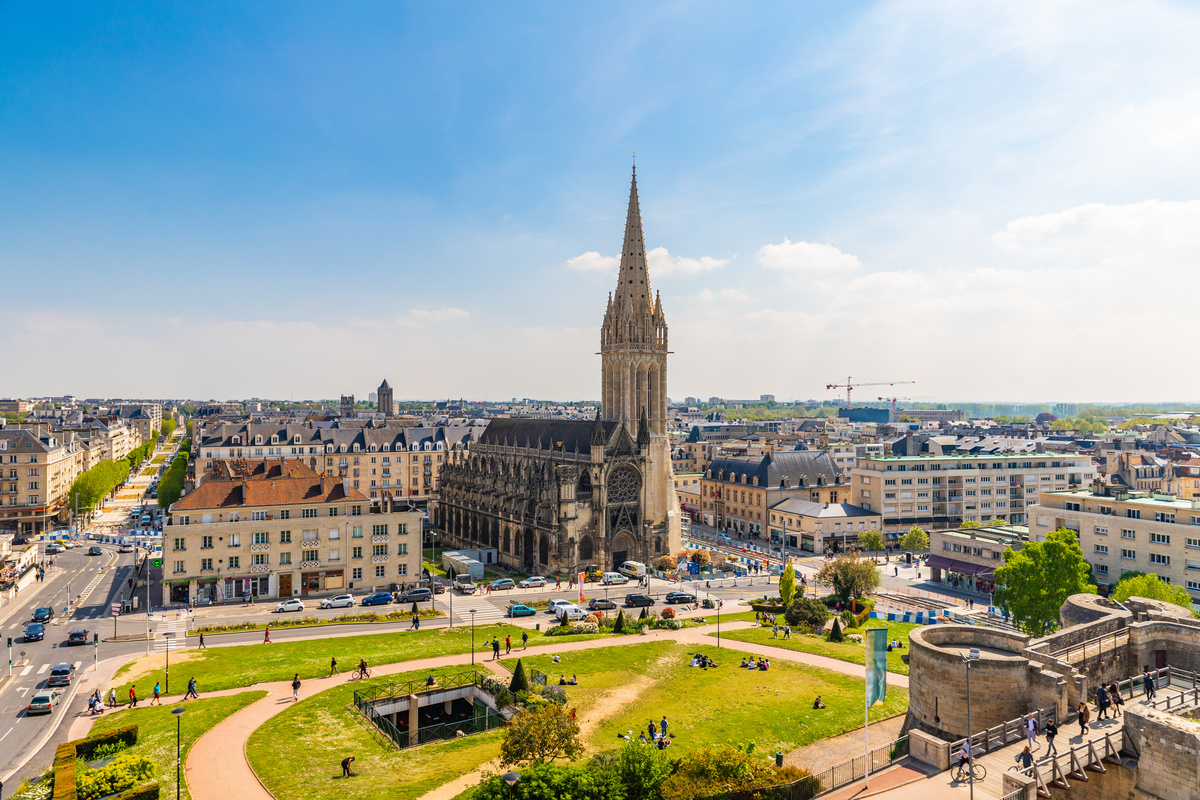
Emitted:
pixel 1193 543
pixel 1129 555
pixel 1101 569
pixel 402 549
pixel 235 562
pixel 1163 516
pixel 1133 513
pixel 379 550
pixel 1101 549
pixel 285 537
pixel 206 542
pixel 381 571
pixel 356 552
pixel 1102 531
pixel 333 512
pixel 1193 586
pixel 179 570
pixel 1126 533
pixel 308 513
pixel 356 511
pixel 1160 538
pixel 335 554
pixel 310 555
pixel 285 514
pixel 356 532
pixel 180 544
pixel 356 573
pixel 1071 506
pixel 235 540
pixel 206 565
pixel 258 516
pixel 308 536
pixel 259 559
pixel 262 538
pixel 1160 558
pixel 379 530
pixel 285 558
pixel 402 569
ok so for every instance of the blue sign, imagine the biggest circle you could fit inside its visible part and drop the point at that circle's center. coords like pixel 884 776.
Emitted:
pixel 693 568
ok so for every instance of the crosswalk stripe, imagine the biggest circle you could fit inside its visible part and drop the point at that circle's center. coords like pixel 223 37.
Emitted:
pixel 26 671
pixel 43 669
pixel 78 664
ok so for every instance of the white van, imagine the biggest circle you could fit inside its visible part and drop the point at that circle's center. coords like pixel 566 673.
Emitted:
pixel 570 611
pixel 614 578
pixel 634 569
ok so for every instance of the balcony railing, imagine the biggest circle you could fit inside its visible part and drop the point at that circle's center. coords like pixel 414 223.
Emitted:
pixel 259 548
pixel 379 559
pixel 260 568
pixel 380 538
pixel 310 565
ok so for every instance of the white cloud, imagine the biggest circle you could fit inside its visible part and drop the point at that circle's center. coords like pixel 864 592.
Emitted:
pixel 591 261
pixel 662 264
pixel 708 295
pixel 439 314
pixel 805 257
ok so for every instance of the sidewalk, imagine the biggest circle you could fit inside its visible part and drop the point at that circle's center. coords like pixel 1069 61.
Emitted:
pixel 220 755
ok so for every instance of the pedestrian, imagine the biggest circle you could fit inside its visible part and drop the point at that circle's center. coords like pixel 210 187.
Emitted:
pixel 662 726
pixel 157 694
pixel 896 573
pixel 346 762
pixel 525 640
pixel 1085 714
pixel 266 636
pixel 202 642
pixel 775 631
pixel 296 687
pixel 191 692
pixel 1101 701
pixel 1031 730
pixel 1148 685
pixel 414 624
pixel 133 697
pixel 1114 694
pixel 1025 758
pixel 652 730
pixel 496 649
pixel 1051 732
pixel 333 670
pixel 787 631
pixel 507 645
pixel 112 698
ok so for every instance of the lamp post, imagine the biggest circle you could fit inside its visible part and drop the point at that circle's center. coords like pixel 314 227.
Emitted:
pixel 167 674
pixel 178 712
pixel 968 659
pixel 472 612
pixel 511 779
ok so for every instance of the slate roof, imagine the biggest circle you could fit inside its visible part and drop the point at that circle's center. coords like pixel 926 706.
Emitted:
pixel 807 508
pixel 262 469
pixel 574 434
pixel 783 469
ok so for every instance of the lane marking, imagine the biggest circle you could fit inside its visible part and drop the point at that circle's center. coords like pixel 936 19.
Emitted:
pixel 43 669
pixel 26 671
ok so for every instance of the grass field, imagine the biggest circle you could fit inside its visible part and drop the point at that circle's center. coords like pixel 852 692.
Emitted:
pixel 297 754
pixel 844 651
pixel 156 730
pixel 230 667
pixel 623 688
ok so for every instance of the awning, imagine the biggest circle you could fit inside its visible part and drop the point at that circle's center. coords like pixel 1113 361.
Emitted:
pixel 961 567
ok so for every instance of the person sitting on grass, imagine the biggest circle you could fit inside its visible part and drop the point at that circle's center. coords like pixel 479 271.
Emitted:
pixel 817 703
pixel 556 659
pixel 744 664
pixel 574 680
pixel 431 681
pixel 562 680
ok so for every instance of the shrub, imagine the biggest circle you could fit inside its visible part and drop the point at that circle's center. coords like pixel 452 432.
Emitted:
pixel 847 618
pixel 540 781
pixel 835 635
pixel 668 613
pixel 667 563
pixel 519 682
pixel 619 626
pixel 592 618
pixel 147 791
pixel 718 772
pixel 807 613
pixel 123 773
pixel 583 626
pixel 645 613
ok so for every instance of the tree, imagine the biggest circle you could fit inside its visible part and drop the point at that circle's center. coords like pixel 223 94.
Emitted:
pixel 806 612
pixel 970 523
pixel 1152 588
pixel 835 633
pixel 849 576
pixel 619 625
pixel 642 770
pixel 1034 582
pixel 871 541
pixel 787 585
pixel 916 540
pixel 540 735
pixel 701 557
pixel 1044 417
pixel 667 564
pixel 519 682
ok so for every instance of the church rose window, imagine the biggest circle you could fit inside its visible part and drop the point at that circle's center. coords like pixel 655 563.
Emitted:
pixel 623 486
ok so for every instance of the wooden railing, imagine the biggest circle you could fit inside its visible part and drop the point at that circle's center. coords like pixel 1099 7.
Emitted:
pixel 1000 735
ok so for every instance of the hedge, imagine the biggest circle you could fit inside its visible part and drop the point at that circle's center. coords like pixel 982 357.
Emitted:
pixel 65 754
pixel 86 748
pixel 147 791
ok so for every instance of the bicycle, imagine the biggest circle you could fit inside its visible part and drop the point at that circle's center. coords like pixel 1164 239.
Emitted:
pixel 975 772
pixel 362 673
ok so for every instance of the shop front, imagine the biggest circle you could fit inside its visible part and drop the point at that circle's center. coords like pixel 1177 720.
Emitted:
pixel 962 575
pixel 328 580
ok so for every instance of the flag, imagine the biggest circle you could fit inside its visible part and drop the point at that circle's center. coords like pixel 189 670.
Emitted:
pixel 581 577
pixel 875 640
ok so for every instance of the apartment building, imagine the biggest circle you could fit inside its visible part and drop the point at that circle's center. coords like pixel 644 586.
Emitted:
pixel 820 527
pixel 966 559
pixel 36 470
pixel 1122 530
pixel 266 535
pixel 146 417
pixel 846 454
pixel 737 492
pixel 947 490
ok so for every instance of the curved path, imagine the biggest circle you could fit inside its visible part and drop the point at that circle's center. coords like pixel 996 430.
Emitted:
pixel 217 767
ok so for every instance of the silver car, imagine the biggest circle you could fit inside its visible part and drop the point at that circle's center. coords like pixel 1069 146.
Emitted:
pixel 341 601
pixel 289 605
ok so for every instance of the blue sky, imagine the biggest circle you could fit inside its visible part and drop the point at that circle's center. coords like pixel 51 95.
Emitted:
pixel 998 201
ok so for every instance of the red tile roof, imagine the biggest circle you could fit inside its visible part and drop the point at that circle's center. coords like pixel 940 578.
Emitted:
pixel 267 492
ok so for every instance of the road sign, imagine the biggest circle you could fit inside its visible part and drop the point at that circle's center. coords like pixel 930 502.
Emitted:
pixel 156 562
pixel 115 609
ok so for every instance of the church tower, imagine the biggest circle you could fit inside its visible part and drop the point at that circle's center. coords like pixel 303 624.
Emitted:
pixel 633 347
pixel 383 399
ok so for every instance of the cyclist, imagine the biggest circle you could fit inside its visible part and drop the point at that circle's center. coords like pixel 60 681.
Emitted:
pixel 965 757
pixel 362 668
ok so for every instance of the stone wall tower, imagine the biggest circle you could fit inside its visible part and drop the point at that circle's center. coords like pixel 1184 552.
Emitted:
pixel 633 348
pixel 383 399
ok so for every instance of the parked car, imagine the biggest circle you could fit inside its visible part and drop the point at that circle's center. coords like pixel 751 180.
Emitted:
pixel 465 585
pixel 78 636
pixel 290 605
pixel 532 583
pixel 521 610
pixel 415 596
pixel 600 604
pixel 94 551
pixel 340 601
pixel 554 604
pixel 35 632
pixel 502 583
pixel 680 597
pixel 570 611
pixel 61 675
pixel 377 599
pixel 636 600
pixel 20 540
pixel 614 579
pixel 43 614
pixel 43 702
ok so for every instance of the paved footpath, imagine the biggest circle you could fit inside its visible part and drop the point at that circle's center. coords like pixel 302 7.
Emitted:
pixel 219 756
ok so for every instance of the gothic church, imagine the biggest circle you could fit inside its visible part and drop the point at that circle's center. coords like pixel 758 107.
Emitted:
pixel 554 495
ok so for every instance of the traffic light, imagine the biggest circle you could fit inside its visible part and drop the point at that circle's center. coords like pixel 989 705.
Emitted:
pixel 95 638
pixel 10 642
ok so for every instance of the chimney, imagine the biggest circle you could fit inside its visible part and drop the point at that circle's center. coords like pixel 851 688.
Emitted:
pixel 345 486
pixel 908 444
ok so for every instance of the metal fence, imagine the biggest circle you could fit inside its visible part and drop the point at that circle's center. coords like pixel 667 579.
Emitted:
pixel 834 777
pixel 478 723
pixel 1092 648
pixel 405 688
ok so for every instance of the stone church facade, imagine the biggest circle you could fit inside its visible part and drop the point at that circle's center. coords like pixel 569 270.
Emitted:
pixel 554 495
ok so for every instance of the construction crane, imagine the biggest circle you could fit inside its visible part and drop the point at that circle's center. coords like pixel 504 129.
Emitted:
pixel 892 402
pixel 850 386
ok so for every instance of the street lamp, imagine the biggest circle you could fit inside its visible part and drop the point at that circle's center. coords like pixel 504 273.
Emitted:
pixel 167 675
pixel 472 612
pixel 968 659
pixel 178 712
pixel 511 779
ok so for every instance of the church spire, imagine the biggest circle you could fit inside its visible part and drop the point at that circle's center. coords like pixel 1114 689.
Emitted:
pixel 633 282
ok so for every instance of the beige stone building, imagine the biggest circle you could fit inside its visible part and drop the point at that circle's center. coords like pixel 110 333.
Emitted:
pixel 1122 530
pixel 966 558
pixel 820 527
pixel 267 535
pixel 947 490
pixel 36 470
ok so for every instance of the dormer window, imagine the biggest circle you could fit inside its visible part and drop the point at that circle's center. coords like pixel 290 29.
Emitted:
pixel 296 440
pixel 356 447
pixel 386 447
pixel 275 439
pixel 258 439
pixel 342 448
pixel 374 448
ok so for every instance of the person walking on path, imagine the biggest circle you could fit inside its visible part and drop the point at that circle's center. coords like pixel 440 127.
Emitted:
pixel 525 640
pixel 1101 701
pixel 1114 694
pixel 296 688
pixel 133 697
pixel 266 635
pixel 416 623
pixel 333 670
pixel 507 645
pixel 191 692
pixel 557 583
pixel 1051 732
pixel 157 694
pixel 202 647
pixel 112 698
pixel 496 649
pixel 775 631
pixel 1148 685
pixel 1085 714
pixel 1031 730
pixel 787 631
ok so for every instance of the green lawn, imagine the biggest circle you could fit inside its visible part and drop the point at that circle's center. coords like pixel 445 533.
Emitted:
pixel 297 753
pixel 844 651
pixel 628 686
pixel 218 668
pixel 156 730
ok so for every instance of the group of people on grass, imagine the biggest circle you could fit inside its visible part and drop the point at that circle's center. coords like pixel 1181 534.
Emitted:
pixel 702 661
pixel 763 664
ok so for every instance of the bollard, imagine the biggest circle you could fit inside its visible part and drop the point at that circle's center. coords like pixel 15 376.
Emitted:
pixel 778 759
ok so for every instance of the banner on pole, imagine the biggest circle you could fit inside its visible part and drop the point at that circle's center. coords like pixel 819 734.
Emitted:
pixel 875 640
pixel 581 578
